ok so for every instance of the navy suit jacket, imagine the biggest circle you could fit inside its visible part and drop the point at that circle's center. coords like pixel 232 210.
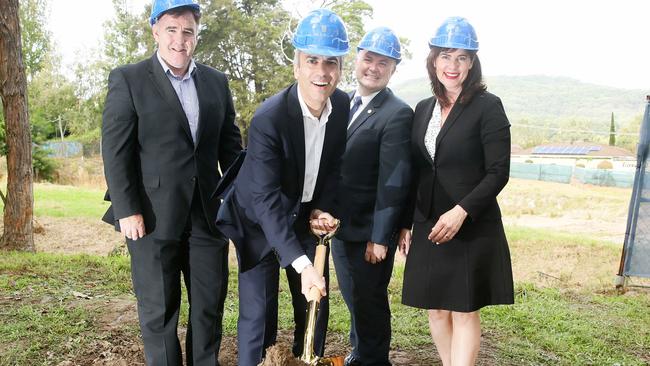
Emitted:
pixel 376 171
pixel 262 211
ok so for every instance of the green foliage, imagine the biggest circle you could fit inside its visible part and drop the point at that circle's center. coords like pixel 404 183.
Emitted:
pixel 35 38
pixel 630 139
pixel 127 38
pixel 605 164
pixel 353 14
pixel 546 109
pixel 52 103
pixel 612 132
pixel 249 40
pixel 246 40
pixel 44 167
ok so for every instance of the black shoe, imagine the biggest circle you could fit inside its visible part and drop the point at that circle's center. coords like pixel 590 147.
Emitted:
pixel 351 361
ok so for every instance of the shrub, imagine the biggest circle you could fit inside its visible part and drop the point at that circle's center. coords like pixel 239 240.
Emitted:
pixel 605 164
pixel 44 166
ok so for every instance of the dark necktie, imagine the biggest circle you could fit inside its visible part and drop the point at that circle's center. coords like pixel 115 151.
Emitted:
pixel 355 107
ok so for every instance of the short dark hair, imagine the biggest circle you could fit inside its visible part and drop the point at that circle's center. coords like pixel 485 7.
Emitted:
pixel 471 86
pixel 180 10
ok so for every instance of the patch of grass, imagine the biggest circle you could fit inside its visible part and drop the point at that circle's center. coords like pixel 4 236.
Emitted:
pixel 41 333
pixel 67 201
pixel 562 260
pixel 548 326
pixel 45 316
pixel 558 322
pixel 529 197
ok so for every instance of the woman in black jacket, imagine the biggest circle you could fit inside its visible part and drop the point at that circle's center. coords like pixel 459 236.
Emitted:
pixel 457 257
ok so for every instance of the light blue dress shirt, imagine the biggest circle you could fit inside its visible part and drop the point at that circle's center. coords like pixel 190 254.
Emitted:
pixel 186 92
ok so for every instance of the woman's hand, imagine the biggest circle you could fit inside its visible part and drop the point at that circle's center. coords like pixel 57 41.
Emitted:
pixel 448 225
pixel 404 241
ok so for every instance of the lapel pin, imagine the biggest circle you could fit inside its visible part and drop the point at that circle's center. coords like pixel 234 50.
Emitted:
pixel 369 111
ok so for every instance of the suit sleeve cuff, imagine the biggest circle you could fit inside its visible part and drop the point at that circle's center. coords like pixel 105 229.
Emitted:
pixel 300 263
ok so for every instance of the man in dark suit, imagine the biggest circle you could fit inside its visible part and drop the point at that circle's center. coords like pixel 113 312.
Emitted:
pixel 168 125
pixel 375 183
pixel 286 185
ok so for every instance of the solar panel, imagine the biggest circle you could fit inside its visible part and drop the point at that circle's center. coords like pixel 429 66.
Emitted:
pixel 565 150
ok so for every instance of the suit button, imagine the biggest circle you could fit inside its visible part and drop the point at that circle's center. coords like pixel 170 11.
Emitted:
pixel 193 179
pixel 294 215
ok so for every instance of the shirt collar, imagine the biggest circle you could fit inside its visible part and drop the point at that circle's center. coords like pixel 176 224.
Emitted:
pixel 307 113
pixel 365 99
pixel 169 71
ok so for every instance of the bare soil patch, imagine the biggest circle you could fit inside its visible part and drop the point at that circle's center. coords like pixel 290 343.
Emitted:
pixel 119 342
pixel 76 235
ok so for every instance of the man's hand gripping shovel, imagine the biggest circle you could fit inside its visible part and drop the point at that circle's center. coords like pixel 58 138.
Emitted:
pixel 314 298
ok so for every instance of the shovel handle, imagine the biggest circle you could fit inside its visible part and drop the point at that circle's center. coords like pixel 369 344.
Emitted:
pixel 319 265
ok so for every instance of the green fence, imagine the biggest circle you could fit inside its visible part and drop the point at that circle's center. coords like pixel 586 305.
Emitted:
pixel 545 172
pixel 564 174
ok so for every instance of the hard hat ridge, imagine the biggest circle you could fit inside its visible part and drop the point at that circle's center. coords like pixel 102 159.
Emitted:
pixel 455 32
pixel 321 32
pixel 160 6
pixel 382 41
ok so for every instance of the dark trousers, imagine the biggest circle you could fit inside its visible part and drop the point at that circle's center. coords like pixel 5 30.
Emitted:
pixel 156 269
pixel 258 310
pixel 364 287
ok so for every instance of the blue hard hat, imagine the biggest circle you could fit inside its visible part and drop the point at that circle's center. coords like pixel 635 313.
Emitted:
pixel 160 6
pixel 323 33
pixel 383 41
pixel 455 32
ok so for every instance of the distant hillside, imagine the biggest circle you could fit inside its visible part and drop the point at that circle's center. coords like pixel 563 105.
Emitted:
pixel 549 100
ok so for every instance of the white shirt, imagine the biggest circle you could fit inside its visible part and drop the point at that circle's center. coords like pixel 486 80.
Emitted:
pixel 364 103
pixel 435 124
pixel 314 140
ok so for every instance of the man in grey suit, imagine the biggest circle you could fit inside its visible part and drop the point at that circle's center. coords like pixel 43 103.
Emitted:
pixel 168 124
pixel 375 177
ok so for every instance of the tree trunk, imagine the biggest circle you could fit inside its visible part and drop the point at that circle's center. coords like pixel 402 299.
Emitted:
pixel 18 211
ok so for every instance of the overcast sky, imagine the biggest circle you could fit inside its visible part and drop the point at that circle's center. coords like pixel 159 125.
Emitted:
pixel 601 42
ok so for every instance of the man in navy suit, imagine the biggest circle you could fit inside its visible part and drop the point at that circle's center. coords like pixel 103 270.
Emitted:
pixel 375 182
pixel 286 185
pixel 168 125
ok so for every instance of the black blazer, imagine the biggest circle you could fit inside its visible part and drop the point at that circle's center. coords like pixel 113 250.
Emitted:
pixel 472 159
pixel 151 163
pixel 376 171
pixel 262 212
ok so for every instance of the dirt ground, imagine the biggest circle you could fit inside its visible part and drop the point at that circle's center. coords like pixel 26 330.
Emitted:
pixel 120 346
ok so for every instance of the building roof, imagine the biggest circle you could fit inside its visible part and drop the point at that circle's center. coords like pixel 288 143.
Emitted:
pixel 577 150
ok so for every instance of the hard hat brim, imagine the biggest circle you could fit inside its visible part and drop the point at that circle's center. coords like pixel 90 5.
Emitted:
pixel 379 52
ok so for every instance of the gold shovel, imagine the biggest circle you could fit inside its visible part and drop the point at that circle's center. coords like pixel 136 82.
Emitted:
pixel 308 355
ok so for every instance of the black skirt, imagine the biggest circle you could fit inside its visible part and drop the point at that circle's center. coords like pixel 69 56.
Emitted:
pixel 469 272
